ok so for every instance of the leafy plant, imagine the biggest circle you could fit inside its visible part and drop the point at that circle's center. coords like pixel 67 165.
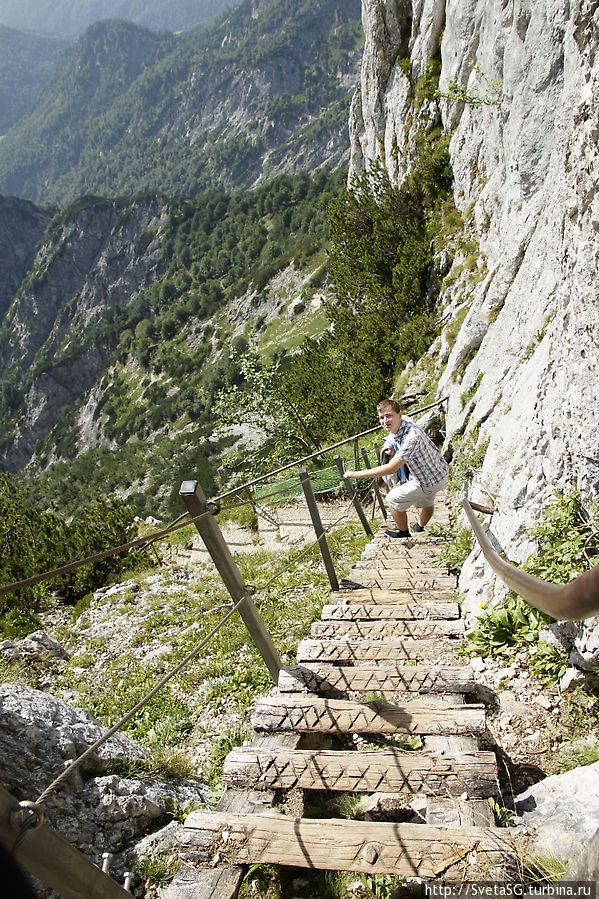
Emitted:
pixel 567 537
pixel 503 816
pixel 455 553
pixel 511 624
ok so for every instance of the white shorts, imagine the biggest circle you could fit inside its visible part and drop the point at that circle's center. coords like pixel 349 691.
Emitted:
pixel 404 496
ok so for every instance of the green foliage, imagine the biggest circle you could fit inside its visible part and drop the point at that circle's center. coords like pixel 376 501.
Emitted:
pixel 584 751
pixel 158 869
pixel 165 370
pixel 504 817
pixel 379 886
pixel 381 314
pixel 26 63
pixel 568 544
pixel 490 96
pixel 458 549
pixel 213 770
pixel 33 542
pixel 512 624
pixel 116 117
pixel 568 540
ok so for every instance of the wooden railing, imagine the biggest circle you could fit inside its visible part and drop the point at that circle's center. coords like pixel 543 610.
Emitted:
pixel 567 602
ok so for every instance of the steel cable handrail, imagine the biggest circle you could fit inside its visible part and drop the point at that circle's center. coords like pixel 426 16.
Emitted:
pixel 184 519
pixel 567 602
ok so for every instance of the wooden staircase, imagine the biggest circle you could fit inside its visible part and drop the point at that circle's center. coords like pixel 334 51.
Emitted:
pixel 391 634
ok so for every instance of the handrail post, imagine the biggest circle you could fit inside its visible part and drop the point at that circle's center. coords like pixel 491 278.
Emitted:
pixel 375 484
pixel 318 528
pixel 195 501
pixel 353 493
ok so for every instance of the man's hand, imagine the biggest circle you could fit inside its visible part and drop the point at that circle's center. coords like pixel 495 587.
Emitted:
pixel 351 474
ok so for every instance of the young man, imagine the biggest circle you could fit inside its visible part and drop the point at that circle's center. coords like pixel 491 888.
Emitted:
pixel 428 469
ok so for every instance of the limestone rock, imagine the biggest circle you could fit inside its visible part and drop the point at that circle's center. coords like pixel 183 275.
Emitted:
pixel 525 158
pixel 95 810
pixel 562 811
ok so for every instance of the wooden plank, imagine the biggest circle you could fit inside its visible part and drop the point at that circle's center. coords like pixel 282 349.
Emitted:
pixel 357 650
pixel 223 882
pixel 371 576
pixel 405 594
pixel 473 773
pixel 407 552
pixel 445 811
pixel 331 679
pixel 408 611
pixel 334 844
pixel 429 564
pixel 50 858
pixel 304 714
pixel 327 630
pixel 399 595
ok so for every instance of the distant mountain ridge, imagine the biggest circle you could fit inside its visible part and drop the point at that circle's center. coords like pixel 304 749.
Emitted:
pixel 70 17
pixel 27 62
pixel 266 90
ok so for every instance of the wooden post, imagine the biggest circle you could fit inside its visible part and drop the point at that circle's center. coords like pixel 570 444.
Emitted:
pixel 318 528
pixel 195 500
pixel 353 493
pixel 53 860
pixel 375 484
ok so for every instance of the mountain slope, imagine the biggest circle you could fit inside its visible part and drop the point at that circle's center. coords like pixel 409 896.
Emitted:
pixel 71 17
pixel 27 62
pixel 126 322
pixel 265 91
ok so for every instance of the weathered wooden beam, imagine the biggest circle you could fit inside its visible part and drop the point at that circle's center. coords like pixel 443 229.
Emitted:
pixel 223 881
pixel 474 773
pixel 413 562
pixel 327 630
pixel 405 578
pixel 395 595
pixel 332 680
pixel 335 844
pixel 356 650
pixel 305 714
pixel 50 858
pixel 406 611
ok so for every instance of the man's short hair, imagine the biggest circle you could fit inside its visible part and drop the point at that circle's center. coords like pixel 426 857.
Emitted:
pixel 386 404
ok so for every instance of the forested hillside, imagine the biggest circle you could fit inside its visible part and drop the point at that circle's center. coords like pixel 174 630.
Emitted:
pixel 134 314
pixel 27 62
pixel 264 91
pixel 71 17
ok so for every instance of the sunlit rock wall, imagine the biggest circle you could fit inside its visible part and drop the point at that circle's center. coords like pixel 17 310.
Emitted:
pixel 522 374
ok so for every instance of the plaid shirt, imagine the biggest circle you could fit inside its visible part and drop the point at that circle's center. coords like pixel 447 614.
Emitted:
pixel 427 465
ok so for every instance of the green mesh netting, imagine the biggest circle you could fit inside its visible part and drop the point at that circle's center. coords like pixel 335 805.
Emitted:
pixel 323 481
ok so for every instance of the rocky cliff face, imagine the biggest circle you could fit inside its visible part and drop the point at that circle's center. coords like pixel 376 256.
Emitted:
pixel 21 228
pixel 521 86
pixel 53 341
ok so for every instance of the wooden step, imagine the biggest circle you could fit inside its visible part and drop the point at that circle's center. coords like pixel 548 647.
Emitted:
pixel 407 552
pixel 334 844
pixel 396 595
pixel 406 611
pixel 331 630
pixel 357 651
pixel 389 770
pixel 369 577
pixel 332 680
pixel 428 564
pixel 306 714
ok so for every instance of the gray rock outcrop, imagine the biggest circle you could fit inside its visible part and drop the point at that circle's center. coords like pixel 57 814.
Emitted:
pixel 562 812
pixel 95 809
pixel 519 91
